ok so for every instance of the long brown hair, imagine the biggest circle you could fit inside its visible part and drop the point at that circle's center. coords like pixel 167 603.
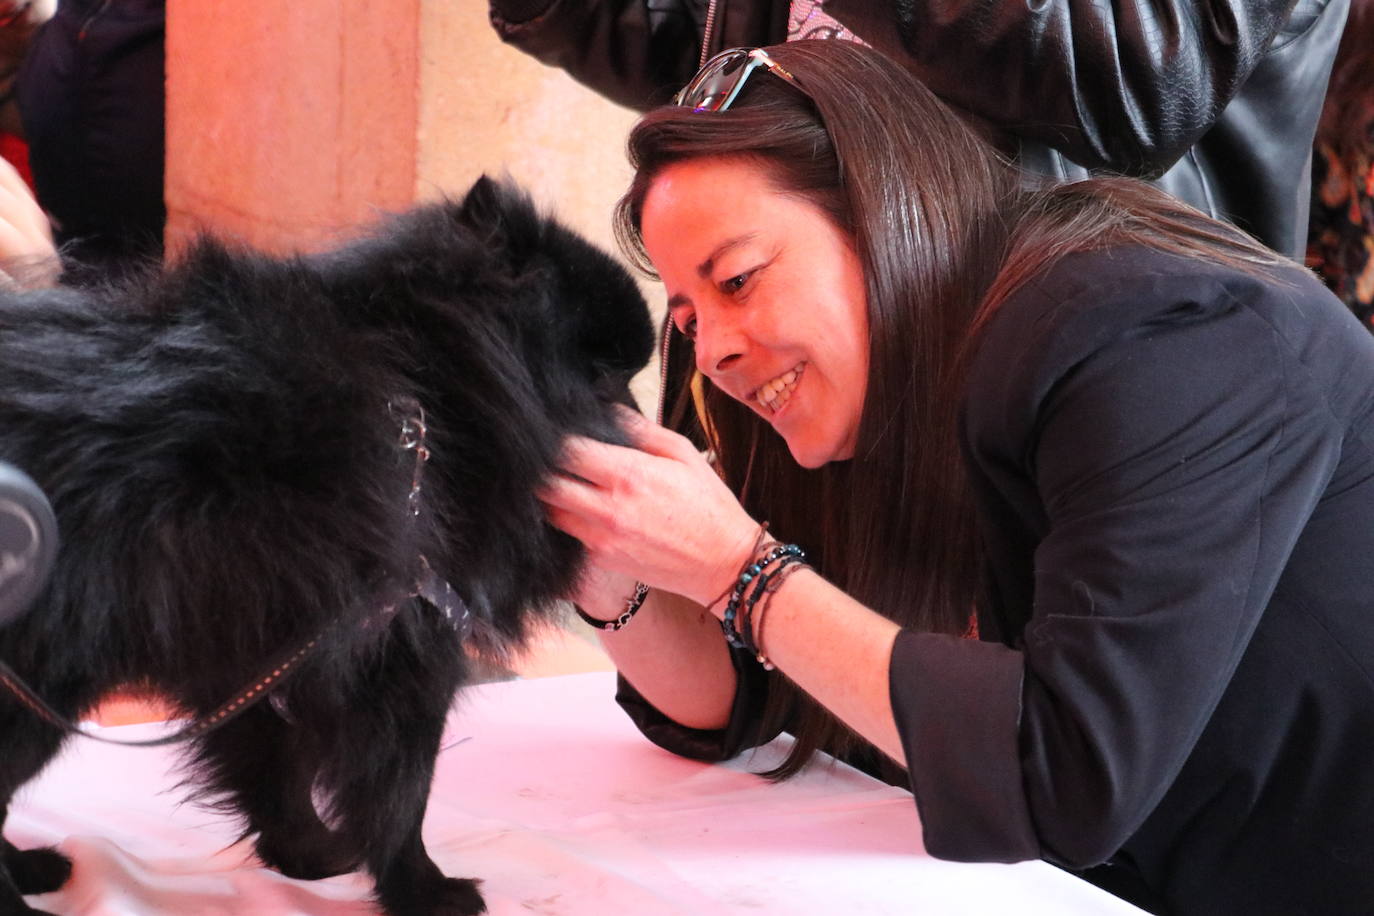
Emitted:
pixel 939 220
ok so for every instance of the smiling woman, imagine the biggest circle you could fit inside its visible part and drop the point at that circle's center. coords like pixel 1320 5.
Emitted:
pixel 773 301
pixel 1131 442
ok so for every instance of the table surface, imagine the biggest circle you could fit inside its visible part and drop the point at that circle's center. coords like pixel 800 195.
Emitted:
pixel 546 792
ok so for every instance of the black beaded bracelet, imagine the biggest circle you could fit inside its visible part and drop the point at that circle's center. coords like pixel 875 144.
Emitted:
pixel 775 582
pixel 764 584
pixel 632 606
pixel 747 575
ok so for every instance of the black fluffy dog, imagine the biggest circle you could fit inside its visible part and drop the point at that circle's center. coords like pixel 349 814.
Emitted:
pixel 223 446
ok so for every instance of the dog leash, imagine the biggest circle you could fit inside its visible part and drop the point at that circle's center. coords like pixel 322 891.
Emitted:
pixel 199 727
pixel 428 586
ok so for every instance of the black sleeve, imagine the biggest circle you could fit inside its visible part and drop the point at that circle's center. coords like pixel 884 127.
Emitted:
pixel 1176 466
pixel 746 728
pixel 634 52
pixel 1126 86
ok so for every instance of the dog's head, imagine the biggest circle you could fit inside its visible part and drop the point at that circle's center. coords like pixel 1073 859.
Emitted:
pixel 513 332
pixel 492 263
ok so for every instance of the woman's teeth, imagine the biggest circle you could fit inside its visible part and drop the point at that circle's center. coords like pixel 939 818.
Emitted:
pixel 774 394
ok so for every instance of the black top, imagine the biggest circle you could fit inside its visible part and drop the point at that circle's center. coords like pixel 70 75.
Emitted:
pixel 1174 465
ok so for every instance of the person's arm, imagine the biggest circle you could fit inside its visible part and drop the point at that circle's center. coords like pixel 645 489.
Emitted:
pixel 1176 460
pixel 1122 86
pixel 834 648
pixel 672 652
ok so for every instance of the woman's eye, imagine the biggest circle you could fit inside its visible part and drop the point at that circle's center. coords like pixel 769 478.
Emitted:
pixel 688 328
pixel 735 283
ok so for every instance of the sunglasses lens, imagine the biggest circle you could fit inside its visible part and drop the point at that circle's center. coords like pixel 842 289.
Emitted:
pixel 714 86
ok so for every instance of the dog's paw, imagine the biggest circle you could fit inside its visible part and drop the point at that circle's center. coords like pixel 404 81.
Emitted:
pixel 38 871
pixel 451 897
pixel 460 897
pixel 321 860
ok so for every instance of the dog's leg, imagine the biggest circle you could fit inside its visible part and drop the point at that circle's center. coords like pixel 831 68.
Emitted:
pixel 12 899
pixel 410 884
pixel 35 871
pixel 30 745
pixel 28 871
pixel 380 776
pixel 268 768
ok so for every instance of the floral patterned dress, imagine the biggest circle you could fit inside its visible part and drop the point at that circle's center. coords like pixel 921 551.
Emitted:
pixel 1341 236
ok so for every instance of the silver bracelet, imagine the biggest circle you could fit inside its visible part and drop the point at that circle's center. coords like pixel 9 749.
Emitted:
pixel 632 606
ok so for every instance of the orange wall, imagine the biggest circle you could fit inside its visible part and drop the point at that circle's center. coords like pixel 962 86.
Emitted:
pixel 288 123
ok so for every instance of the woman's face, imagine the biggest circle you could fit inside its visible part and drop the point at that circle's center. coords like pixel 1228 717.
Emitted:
pixel 773 295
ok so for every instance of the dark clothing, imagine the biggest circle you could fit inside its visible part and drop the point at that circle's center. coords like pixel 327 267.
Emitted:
pixel 1216 102
pixel 91 94
pixel 1176 668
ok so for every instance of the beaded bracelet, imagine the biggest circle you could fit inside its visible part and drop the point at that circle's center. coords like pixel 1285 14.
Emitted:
pixel 758 544
pixel 632 606
pixel 766 583
pixel 780 576
pixel 747 575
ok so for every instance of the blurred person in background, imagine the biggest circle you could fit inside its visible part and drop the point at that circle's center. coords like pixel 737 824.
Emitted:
pixel 1215 102
pixel 1341 245
pixel 91 96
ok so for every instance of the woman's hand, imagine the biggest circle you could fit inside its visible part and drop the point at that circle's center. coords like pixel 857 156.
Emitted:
pixel 27 256
pixel 658 513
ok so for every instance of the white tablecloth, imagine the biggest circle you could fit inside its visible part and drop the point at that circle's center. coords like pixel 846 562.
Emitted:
pixel 547 793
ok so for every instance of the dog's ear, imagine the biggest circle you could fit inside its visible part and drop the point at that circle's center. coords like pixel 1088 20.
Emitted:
pixel 490 207
pixel 601 305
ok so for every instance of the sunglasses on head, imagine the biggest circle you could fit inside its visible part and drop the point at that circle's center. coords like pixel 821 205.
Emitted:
pixel 721 78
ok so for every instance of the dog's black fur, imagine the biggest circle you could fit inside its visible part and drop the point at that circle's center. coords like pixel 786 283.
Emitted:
pixel 220 445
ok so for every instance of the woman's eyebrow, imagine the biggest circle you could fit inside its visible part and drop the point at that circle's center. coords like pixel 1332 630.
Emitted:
pixel 705 267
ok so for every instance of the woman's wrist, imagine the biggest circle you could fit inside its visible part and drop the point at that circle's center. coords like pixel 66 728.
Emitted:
pixel 601 594
pixel 629 608
pixel 725 574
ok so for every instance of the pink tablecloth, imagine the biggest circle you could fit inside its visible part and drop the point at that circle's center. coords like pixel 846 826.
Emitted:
pixel 547 793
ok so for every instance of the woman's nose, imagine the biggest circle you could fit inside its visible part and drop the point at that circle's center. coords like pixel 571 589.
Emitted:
pixel 719 345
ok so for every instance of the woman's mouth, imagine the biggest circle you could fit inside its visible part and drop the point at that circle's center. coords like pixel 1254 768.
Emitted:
pixel 774 394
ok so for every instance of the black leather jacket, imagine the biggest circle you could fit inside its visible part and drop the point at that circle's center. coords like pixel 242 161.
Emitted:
pixel 1214 100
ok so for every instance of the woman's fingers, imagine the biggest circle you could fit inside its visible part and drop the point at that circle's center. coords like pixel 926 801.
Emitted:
pixel 588 460
pixel 599 462
pixel 649 437
pixel 570 495
pixel 26 246
pixel 658 512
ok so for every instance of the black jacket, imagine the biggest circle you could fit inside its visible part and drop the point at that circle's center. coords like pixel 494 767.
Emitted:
pixel 1174 469
pixel 1217 102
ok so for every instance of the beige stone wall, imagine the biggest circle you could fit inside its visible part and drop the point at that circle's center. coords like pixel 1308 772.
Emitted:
pixel 486 107
pixel 289 124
